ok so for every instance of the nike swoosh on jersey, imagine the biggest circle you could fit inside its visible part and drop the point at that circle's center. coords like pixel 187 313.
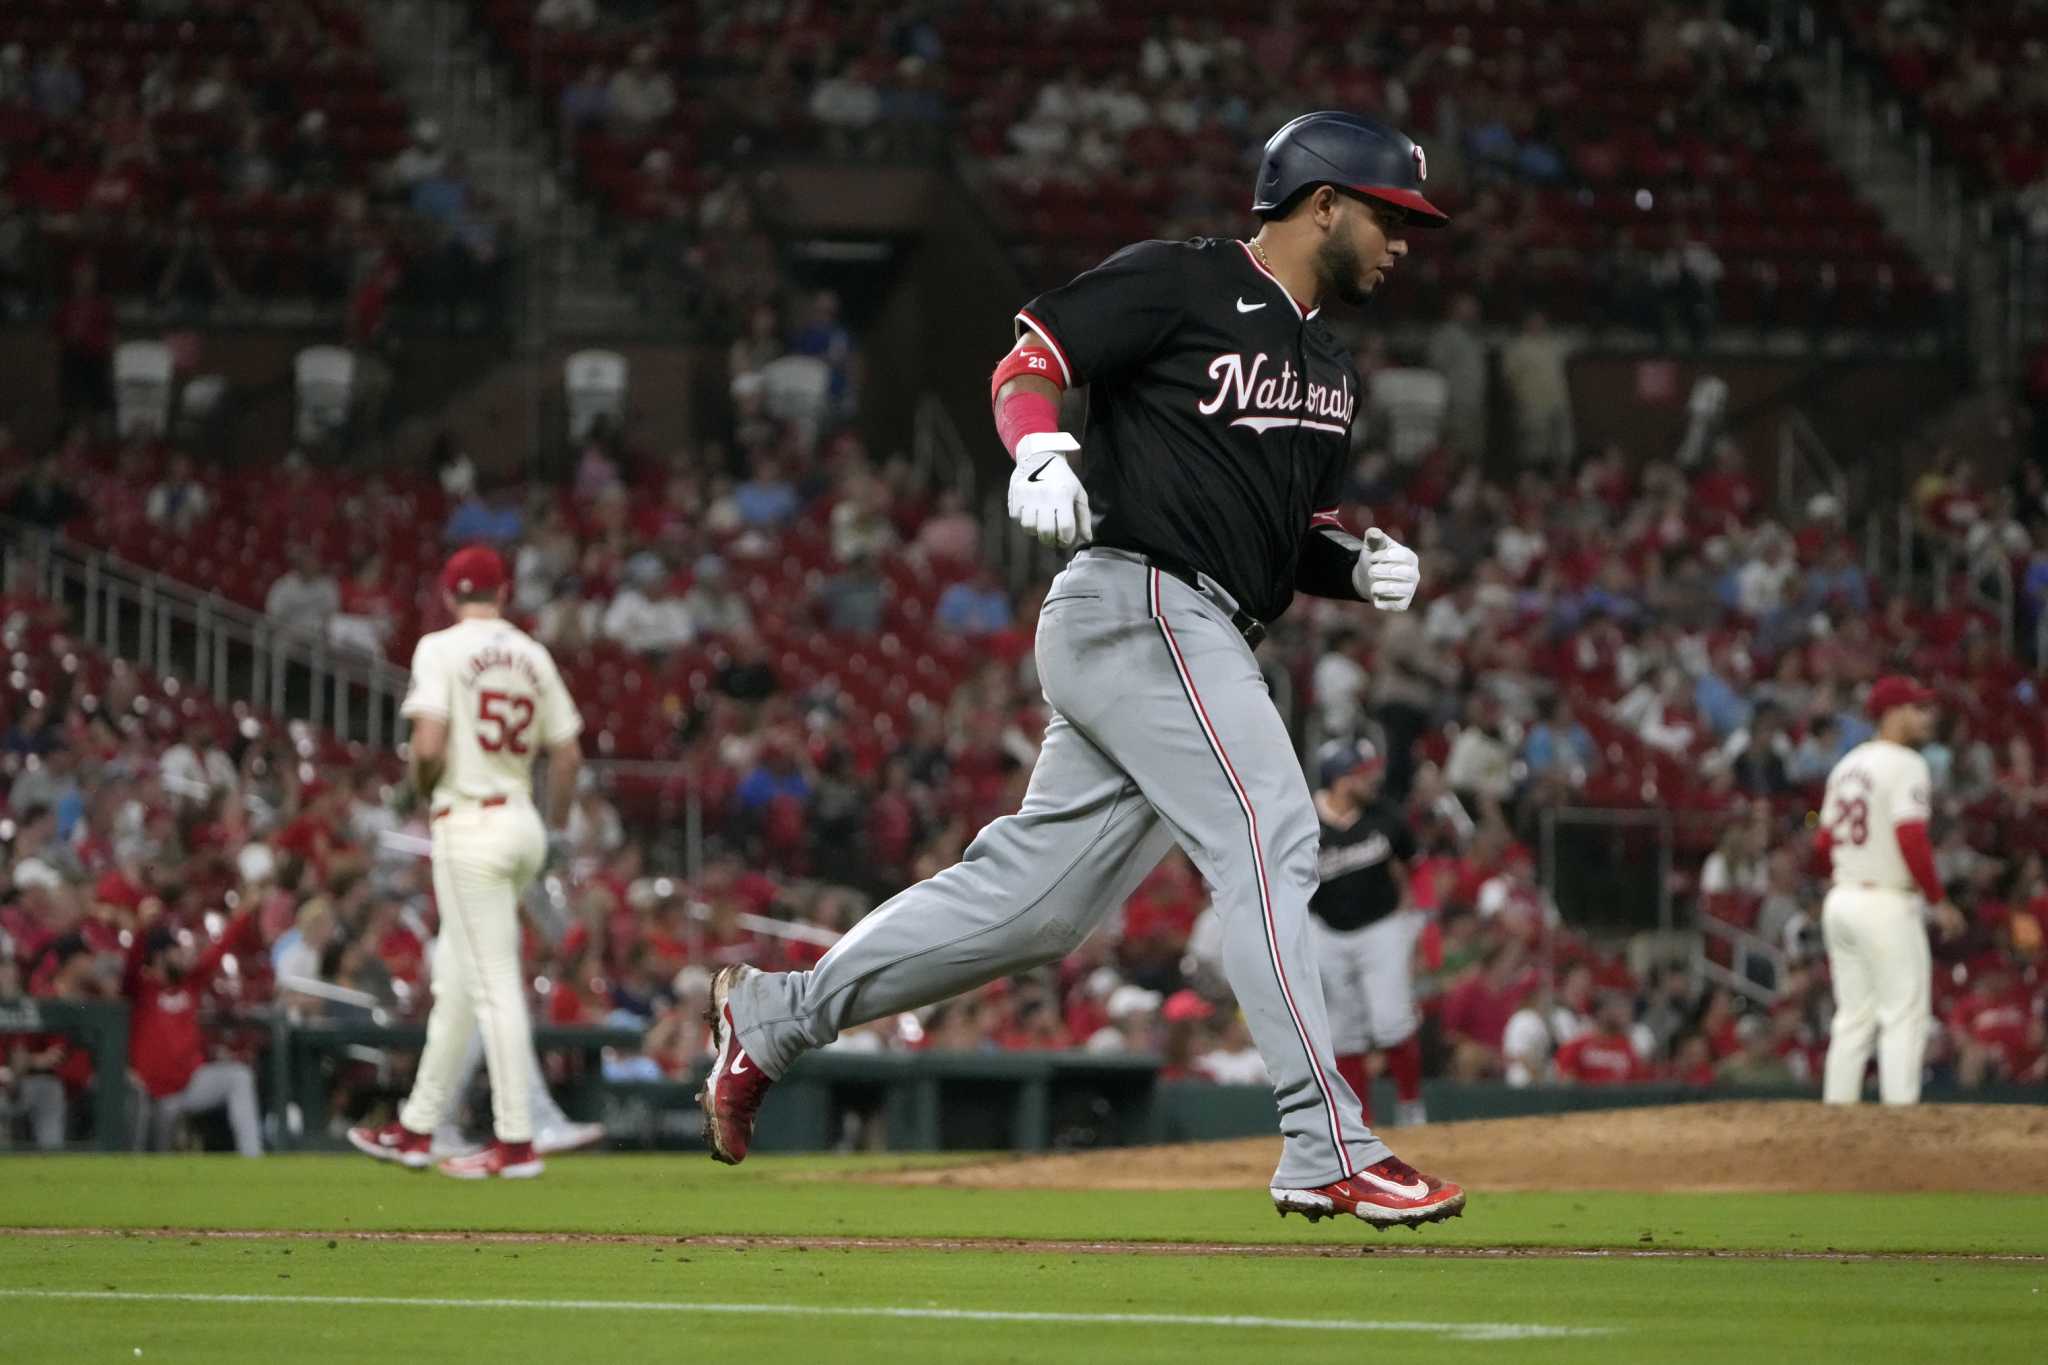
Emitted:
pixel 1244 307
pixel 1414 1189
pixel 1032 477
pixel 739 1064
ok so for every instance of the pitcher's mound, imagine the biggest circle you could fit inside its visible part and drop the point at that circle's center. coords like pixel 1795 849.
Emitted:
pixel 1776 1145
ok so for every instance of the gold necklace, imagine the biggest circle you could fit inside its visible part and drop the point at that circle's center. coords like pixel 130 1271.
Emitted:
pixel 1259 250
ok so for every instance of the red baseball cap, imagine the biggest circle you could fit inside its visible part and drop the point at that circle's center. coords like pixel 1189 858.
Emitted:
pixel 115 889
pixel 1895 689
pixel 473 569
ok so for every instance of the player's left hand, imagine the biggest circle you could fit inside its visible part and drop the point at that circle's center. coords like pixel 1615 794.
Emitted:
pixel 1388 572
pixel 1046 496
pixel 1949 921
pixel 402 799
pixel 560 851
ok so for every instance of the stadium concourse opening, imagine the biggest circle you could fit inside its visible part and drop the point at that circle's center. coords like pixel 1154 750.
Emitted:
pixel 1696 1148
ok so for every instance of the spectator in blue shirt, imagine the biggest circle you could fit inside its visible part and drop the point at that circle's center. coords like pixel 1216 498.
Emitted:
pixel 495 520
pixel 768 498
pixel 587 100
pixel 974 606
pixel 59 89
pixel 1719 703
pixel 1557 744
pixel 1837 582
pixel 826 338
pixel 777 774
pixel 443 196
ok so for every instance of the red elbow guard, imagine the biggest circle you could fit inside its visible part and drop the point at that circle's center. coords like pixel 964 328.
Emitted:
pixel 1023 414
pixel 1035 361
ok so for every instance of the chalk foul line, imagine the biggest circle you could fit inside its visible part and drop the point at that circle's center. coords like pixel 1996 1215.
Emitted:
pixel 1449 1331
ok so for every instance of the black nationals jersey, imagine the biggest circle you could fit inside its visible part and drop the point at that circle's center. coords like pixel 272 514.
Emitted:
pixel 1357 867
pixel 1219 414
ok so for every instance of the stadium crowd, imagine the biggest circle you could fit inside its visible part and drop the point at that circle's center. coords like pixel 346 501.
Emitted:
pixel 810 641
pixel 192 156
pixel 1606 632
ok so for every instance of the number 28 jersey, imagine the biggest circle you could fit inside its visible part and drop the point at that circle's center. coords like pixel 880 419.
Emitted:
pixel 1877 787
pixel 502 698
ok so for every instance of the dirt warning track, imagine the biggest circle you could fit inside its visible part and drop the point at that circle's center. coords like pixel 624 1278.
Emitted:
pixel 1752 1147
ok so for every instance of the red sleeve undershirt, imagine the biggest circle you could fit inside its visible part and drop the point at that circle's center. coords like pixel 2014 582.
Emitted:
pixel 1919 855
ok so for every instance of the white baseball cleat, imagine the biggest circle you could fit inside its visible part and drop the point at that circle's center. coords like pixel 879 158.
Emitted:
pixel 449 1142
pixel 566 1136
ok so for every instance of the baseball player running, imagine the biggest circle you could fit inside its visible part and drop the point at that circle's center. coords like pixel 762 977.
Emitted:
pixel 1220 416
pixel 485 700
pixel 1364 940
pixel 1873 832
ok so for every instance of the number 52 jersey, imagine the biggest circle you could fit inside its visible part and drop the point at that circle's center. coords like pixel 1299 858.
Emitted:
pixel 502 698
pixel 1877 787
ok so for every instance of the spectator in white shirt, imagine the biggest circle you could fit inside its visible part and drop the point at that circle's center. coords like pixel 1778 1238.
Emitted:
pixel 861 528
pixel 642 94
pixel 1480 766
pixel 180 500
pixel 1234 1060
pixel 195 769
pixel 647 617
pixel 846 103
pixel 715 606
pixel 565 14
pixel 1339 683
pixel 1762 583
pixel 304 596
pixel 595 830
pixel 422 159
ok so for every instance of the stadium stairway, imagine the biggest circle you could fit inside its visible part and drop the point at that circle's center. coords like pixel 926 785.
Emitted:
pixel 446 71
pixel 1898 171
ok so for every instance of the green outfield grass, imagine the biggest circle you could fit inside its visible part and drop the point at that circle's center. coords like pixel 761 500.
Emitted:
pixel 309 1297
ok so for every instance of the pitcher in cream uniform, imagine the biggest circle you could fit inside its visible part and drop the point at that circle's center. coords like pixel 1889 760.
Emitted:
pixel 1873 833
pixel 486 700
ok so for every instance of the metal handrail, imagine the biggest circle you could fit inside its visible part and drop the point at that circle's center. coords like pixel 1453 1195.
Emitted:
pixel 939 453
pixel 1993 565
pixel 170 628
pixel 1739 941
pixel 1804 458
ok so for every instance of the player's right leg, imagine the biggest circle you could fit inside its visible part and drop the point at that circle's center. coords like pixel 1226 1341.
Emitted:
pixel 1854 1029
pixel 482 860
pixel 1030 888
pixel 1902 985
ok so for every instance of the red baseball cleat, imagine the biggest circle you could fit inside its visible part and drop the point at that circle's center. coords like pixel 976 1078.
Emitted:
pixel 394 1142
pixel 1389 1193
pixel 505 1160
pixel 732 1093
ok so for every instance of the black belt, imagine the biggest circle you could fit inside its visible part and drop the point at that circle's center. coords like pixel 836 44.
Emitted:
pixel 1248 625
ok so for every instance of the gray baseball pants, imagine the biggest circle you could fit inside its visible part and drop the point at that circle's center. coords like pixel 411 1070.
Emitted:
pixel 229 1085
pixel 1162 731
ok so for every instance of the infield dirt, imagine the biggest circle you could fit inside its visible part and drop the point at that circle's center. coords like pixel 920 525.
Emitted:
pixel 1692 1148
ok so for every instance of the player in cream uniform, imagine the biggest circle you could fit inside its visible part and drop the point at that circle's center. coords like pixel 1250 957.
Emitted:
pixel 485 701
pixel 1873 831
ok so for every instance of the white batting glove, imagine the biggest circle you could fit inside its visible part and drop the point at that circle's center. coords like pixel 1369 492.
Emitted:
pixel 1046 497
pixel 1388 572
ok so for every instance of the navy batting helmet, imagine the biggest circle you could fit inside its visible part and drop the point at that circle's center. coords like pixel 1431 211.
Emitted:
pixel 1347 150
